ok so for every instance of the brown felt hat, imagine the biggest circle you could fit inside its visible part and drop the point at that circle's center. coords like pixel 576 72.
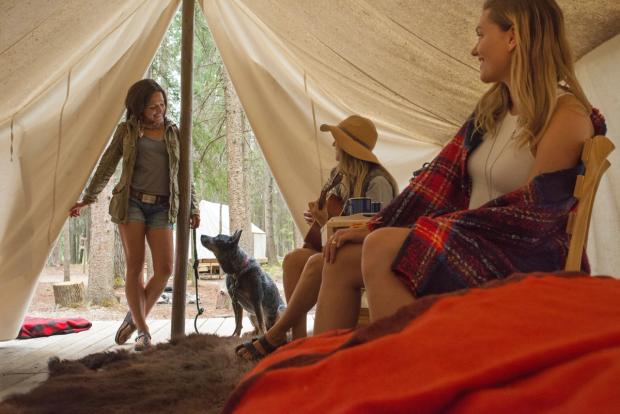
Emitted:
pixel 356 136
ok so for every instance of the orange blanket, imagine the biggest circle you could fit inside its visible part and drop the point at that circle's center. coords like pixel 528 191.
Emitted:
pixel 543 343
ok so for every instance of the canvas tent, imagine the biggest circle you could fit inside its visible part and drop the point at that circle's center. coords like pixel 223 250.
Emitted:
pixel 65 66
pixel 214 220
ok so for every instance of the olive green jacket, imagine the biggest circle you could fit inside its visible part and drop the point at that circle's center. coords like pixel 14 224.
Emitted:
pixel 123 146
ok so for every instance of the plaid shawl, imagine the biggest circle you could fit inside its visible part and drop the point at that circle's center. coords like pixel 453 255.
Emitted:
pixel 36 327
pixel 451 247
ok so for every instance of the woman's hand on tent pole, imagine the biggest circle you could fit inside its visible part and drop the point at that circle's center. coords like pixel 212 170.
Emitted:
pixel 308 217
pixel 194 221
pixel 75 210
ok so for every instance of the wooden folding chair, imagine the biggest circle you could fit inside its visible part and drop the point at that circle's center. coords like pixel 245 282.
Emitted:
pixel 594 157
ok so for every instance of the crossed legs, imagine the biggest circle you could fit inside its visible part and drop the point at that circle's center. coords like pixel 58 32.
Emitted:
pixel 386 293
pixel 362 265
pixel 140 297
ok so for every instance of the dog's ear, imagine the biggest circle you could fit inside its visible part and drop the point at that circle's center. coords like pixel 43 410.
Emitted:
pixel 236 236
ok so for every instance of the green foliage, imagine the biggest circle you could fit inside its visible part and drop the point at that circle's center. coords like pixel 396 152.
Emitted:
pixel 209 126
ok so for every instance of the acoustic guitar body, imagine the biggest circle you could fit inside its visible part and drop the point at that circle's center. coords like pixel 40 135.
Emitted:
pixel 334 205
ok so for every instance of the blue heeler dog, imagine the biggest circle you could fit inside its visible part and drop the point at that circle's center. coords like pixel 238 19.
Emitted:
pixel 249 287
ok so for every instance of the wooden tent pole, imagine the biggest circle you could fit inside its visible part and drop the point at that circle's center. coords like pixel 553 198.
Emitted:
pixel 177 329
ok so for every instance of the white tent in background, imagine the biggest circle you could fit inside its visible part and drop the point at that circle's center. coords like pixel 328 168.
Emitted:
pixel 212 224
pixel 65 67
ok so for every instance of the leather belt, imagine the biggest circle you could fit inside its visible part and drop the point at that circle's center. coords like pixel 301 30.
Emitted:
pixel 148 198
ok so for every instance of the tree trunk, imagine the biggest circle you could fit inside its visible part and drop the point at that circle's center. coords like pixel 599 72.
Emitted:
pixel 66 259
pixel 54 257
pixel 86 251
pixel 101 251
pixel 68 294
pixel 272 257
pixel 239 209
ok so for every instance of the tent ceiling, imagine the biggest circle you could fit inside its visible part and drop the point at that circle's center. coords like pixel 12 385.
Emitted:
pixel 412 57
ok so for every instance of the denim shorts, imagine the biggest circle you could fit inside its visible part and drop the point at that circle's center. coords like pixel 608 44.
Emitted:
pixel 152 215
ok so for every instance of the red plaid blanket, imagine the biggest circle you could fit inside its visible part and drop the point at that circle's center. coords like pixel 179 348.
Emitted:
pixel 451 247
pixel 34 327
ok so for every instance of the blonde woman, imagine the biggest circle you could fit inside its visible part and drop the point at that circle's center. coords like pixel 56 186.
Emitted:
pixel 496 199
pixel 362 176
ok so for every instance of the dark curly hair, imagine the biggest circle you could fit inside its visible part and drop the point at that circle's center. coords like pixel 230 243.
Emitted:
pixel 138 96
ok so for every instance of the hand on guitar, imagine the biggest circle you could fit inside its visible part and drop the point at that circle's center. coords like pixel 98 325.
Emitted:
pixel 320 215
pixel 340 238
pixel 308 217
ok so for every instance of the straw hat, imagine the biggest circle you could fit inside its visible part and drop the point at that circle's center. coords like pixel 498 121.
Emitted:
pixel 356 136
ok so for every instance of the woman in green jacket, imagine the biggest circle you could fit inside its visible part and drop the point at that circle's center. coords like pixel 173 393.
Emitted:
pixel 145 201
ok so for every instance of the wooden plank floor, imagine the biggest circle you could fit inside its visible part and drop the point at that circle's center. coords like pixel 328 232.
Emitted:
pixel 23 363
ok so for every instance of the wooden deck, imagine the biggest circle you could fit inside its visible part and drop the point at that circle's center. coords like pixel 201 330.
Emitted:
pixel 23 363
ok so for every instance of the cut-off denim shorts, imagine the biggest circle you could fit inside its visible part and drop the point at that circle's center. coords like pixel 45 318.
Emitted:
pixel 152 215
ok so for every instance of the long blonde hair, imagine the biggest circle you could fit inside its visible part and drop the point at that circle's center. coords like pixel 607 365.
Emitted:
pixel 542 61
pixel 355 171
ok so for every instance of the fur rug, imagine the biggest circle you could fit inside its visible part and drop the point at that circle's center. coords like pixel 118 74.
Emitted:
pixel 195 374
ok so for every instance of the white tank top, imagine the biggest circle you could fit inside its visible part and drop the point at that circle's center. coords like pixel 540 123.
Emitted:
pixel 499 165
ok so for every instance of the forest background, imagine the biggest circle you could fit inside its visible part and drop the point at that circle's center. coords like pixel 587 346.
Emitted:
pixel 228 168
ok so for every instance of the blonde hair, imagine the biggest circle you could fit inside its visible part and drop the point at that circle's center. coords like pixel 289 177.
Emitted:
pixel 542 61
pixel 355 171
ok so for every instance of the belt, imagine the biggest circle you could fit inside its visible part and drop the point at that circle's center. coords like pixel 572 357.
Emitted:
pixel 148 198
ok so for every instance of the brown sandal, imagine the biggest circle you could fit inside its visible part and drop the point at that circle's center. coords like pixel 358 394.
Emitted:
pixel 125 331
pixel 255 353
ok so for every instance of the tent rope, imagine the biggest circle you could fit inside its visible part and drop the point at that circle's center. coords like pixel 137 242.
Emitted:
pixel 200 310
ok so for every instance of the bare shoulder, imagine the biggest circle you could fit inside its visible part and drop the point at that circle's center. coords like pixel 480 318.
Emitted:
pixel 561 144
pixel 571 119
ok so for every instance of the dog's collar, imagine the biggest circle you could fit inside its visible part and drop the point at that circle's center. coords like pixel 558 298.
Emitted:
pixel 244 267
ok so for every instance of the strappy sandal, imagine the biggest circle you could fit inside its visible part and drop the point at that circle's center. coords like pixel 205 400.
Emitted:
pixel 143 341
pixel 125 331
pixel 255 352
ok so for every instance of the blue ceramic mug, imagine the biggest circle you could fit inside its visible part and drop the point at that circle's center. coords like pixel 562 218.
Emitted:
pixel 375 207
pixel 359 205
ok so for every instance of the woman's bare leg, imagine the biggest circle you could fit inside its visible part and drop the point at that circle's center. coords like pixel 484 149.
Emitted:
pixel 132 236
pixel 339 298
pixel 303 299
pixel 160 243
pixel 292 267
pixel 386 293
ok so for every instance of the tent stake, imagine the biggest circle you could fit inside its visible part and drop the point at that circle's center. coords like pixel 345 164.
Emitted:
pixel 177 329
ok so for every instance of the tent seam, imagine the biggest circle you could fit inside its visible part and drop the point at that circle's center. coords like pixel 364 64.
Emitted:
pixel 316 137
pixel 438 117
pixel 12 135
pixel 55 185
pixel 433 46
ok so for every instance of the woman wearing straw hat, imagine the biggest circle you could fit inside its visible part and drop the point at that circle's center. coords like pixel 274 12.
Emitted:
pixel 362 176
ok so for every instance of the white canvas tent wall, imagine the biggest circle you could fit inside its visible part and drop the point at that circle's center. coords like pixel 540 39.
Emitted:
pixel 210 225
pixel 65 67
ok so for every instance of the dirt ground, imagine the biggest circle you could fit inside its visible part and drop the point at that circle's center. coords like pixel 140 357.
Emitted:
pixel 208 290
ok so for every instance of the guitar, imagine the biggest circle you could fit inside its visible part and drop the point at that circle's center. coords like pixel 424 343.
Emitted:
pixel 334 207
